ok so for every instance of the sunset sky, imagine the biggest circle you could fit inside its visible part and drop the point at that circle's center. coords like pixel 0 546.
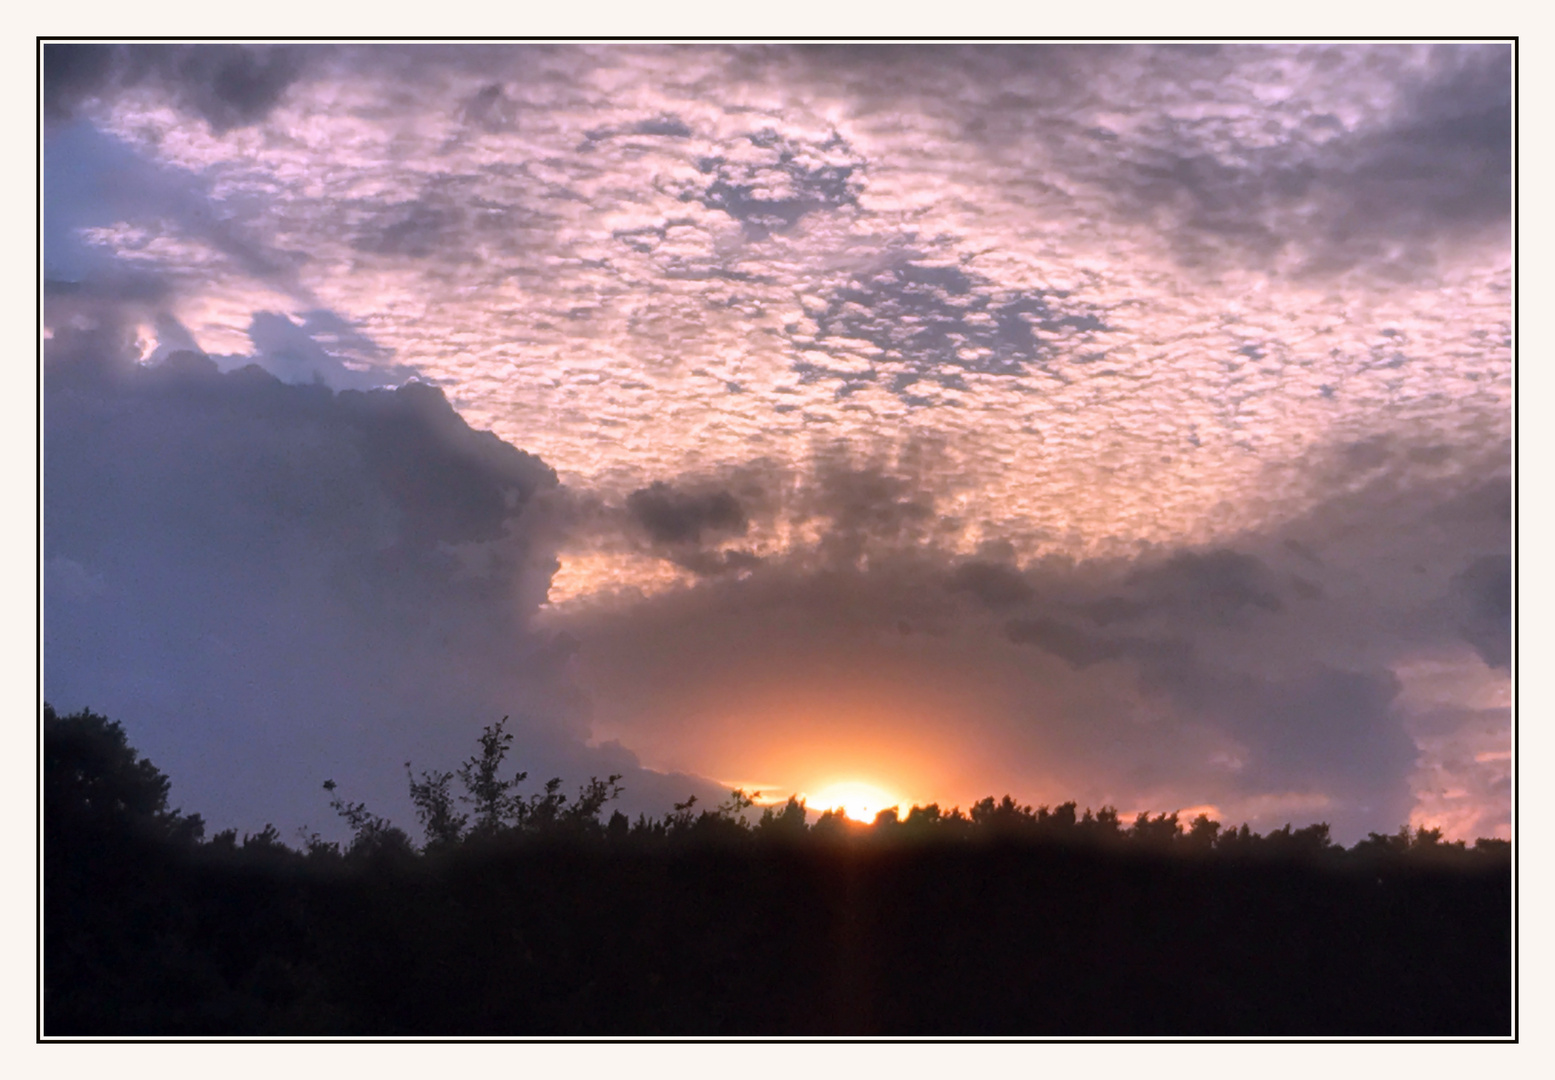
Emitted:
pixel 1119 423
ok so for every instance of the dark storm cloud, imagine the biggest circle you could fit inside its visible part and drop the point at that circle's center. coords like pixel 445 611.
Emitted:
pixel 1482 599
pixel 664 125
pixel 855 504
pixel 1209 587
pixel 392 485
pixel 1438 166
pixel 677 517
pixel 1081 649
pixel 1324 728
pixel 1066 723
pixel 1213 584
pixel 1268 171
pixel 1320 729
pixel 1313 728
pixel 868 505
pixel 686 526
pixel 995 584
pixel 270 584
pixel 229 86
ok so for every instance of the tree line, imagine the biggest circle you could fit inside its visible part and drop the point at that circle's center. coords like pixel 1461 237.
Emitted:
pixel 539 914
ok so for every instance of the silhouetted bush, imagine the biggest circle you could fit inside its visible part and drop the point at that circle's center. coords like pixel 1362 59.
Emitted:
pixel 534 916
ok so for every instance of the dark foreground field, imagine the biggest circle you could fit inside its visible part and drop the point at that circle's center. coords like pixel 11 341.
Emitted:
pixel 1006 922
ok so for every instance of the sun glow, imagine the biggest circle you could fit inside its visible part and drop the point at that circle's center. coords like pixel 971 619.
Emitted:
pixel 859 801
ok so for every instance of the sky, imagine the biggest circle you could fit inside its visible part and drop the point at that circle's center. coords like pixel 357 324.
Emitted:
pixel 1121 424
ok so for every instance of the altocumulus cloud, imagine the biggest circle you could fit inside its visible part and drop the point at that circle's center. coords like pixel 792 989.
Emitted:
pixel 1127 424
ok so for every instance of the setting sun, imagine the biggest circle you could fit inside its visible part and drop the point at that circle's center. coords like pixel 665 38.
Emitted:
pixel 859 801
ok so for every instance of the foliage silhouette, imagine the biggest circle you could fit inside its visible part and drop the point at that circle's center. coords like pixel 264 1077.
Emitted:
pixel 531 915
pixel 371 836
pixel 492 797
pixel 443 825
pixel 92 777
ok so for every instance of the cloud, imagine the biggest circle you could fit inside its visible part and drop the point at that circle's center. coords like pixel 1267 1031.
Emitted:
pixel 1214 584
pixel 117 224
pixel 1336 191
pixel 271 584
pixel 995 584
pixel 1482 595
pixel 294 352
pixel 249 570
pixel 1081 650
pixel 997 247
pixel 228 86
pixel 674 517
pixel 1074 417
pixel 876 672
pixel 910 322
pixel 99 266
pixel 415 229
pixel 771 180
pixel 1319 159
pixel 1263 677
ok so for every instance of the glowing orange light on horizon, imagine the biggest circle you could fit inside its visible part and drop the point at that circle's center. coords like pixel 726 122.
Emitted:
pixel 859 801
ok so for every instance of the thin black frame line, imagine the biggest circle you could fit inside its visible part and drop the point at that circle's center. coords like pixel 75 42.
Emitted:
pixel 1516 552
pixel 742 40
pixel 38 537
pixel 41 41
pixel 1016 1040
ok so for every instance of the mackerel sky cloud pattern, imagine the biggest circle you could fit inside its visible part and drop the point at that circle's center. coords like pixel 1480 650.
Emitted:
pixel 1180 374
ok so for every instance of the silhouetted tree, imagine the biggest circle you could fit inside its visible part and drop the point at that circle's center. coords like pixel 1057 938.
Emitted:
pixel 832 823
pixel 495 804
pixel 1158 833
pixel 787 821
pixel 1384 845
pixel 1202 833
pixel 371 835
pixel 592 798
pixel 886 822
pixel 1055 824
pixel 921 820
pixel 441 824
pixel 94 780
pixel 1066 925
pixel 1005 816
pixel 543 810
pixel 1307 842
pixel 1103 827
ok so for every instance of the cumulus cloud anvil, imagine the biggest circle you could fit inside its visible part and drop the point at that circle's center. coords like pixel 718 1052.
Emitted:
pixel 1120 424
